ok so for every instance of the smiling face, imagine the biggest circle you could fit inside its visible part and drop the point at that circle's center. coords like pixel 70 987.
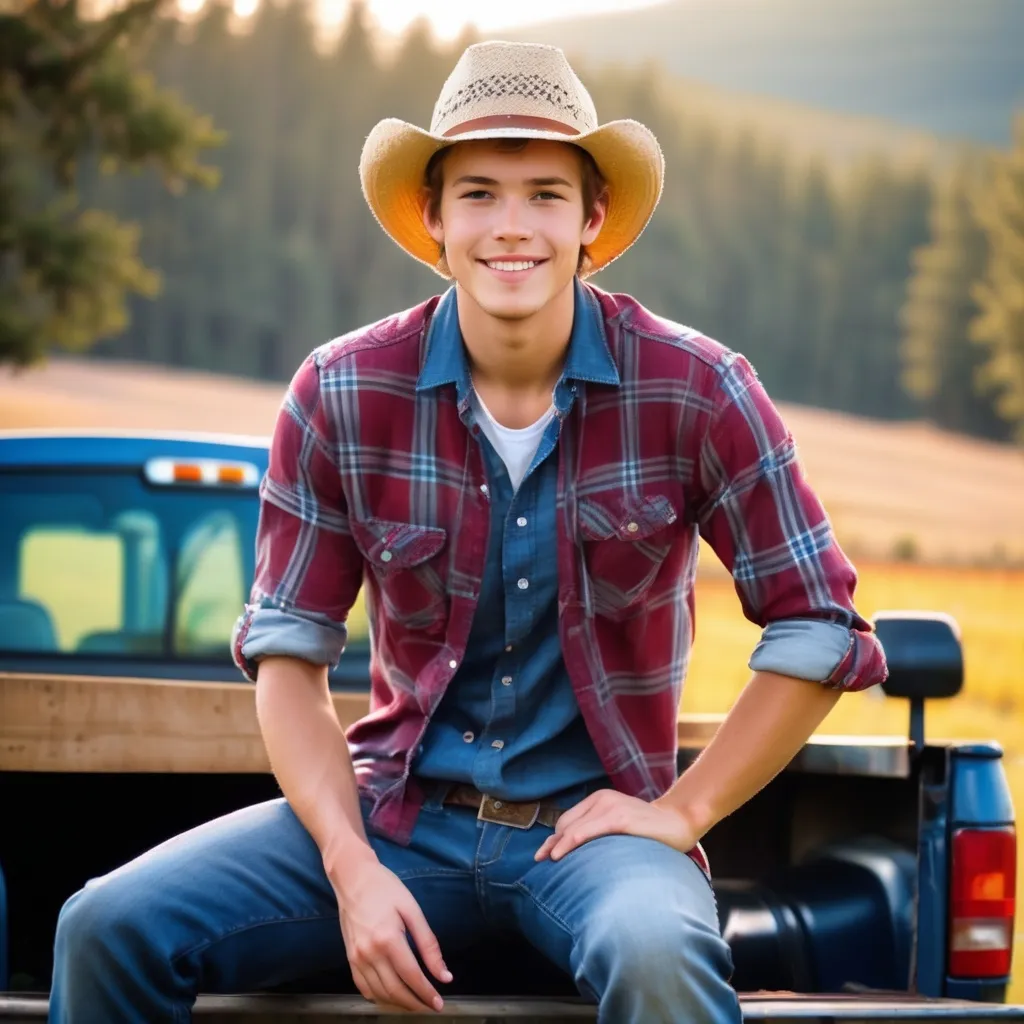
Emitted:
pixel 512 222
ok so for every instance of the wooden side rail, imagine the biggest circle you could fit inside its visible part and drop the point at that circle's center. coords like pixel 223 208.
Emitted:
pixel 102 724
pixel 105 724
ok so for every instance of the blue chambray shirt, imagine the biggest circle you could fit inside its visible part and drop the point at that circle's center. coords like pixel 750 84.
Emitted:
pixel 509 722
pixel 544 746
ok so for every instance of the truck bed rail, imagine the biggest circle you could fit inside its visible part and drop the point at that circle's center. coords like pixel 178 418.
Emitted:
pixel 778 1007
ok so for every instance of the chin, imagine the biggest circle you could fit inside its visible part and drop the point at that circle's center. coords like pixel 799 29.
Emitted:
pixel 507 307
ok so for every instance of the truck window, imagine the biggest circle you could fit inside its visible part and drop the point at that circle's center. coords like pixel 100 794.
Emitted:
pixel 211 588
pixel 70 576
pixel 104 566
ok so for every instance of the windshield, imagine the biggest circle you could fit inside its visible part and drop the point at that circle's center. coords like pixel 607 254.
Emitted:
pixel 104 564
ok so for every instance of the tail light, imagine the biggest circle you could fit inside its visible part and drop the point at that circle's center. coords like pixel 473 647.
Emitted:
pixel 982 898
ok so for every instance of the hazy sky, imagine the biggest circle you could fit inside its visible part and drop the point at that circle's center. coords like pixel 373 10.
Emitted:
pixel 449 16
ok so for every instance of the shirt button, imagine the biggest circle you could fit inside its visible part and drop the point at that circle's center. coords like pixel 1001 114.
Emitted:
pixel 385 556
pixel 521 521
pixel 468 737
pixel 633 527
pixel 498 744
pixel 483 490
pixel 523 583
pixel 506 680
pixel 508 647
pixel 453 663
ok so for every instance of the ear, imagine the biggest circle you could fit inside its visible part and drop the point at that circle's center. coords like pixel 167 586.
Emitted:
pixel 434 227
pixel 592 228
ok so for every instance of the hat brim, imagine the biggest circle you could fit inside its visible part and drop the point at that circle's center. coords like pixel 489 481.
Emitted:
pixel 396 153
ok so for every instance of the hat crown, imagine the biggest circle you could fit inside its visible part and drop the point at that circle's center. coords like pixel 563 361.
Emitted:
pixel 522 79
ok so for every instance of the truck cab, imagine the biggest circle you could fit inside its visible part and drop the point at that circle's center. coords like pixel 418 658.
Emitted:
pixel 873 879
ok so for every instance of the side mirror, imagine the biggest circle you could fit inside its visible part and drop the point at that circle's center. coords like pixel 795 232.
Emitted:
pixel 925 659
pixel 924 654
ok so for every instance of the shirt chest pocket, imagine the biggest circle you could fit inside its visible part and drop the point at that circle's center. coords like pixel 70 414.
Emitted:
pixel 407 564
pixel 625 542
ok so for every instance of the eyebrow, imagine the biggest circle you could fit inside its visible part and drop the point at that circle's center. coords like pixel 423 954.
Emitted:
pixel 473 179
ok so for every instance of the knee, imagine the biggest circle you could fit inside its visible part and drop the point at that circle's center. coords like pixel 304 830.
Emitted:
pixel 655 950
pixel 97 925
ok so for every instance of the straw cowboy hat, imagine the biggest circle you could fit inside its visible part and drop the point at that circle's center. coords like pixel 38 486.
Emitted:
pixel 512 90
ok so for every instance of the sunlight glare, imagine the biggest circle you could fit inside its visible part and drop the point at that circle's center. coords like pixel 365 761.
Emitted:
pixel 191 6
pixel 246 8
pixel 449 17
pixel 331 13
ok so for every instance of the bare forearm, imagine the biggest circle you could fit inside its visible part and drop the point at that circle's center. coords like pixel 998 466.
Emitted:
pixel 309 755
pixel 768 725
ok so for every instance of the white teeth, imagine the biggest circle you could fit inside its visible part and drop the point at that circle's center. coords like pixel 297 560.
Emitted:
pixel 505 265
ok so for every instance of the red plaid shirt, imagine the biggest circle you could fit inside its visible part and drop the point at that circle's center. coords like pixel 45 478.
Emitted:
pixel 374 484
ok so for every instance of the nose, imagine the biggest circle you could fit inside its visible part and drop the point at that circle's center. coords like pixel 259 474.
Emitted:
pixel 512 222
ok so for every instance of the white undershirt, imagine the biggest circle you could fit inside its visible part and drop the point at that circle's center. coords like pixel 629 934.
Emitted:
pixel 515 447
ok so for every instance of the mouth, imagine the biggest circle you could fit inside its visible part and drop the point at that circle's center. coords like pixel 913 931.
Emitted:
pixel 512 270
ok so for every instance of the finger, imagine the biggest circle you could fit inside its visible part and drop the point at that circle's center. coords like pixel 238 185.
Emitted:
pixel 376 991
pixel 365 988
pixel 425 940
pixel 395 989
pixel 583 811
pixel 583 832
pixel 408 970
pixel 545 847
pixel 577 811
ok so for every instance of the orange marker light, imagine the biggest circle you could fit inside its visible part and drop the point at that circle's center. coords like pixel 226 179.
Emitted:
pixel 185 473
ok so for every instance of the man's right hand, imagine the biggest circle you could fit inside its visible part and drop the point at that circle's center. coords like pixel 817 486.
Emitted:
pixel 378 917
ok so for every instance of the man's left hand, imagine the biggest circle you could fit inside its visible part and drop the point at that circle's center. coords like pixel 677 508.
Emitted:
pixel 608 812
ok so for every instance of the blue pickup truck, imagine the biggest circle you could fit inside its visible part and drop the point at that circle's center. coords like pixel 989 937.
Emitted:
pixel 874 879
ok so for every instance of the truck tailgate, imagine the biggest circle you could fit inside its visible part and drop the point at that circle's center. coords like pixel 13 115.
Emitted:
pixel 778 1007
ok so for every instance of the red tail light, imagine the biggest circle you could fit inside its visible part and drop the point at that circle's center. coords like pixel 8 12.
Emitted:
pixel 982 897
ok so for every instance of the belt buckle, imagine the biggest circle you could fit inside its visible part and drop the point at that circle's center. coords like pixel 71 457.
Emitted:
pixel 503 812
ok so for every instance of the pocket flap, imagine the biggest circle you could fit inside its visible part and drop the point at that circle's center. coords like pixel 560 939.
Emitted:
pixel 390 545
pixel 626 519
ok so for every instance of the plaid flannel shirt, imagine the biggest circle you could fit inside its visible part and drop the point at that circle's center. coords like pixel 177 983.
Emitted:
pixel 375 483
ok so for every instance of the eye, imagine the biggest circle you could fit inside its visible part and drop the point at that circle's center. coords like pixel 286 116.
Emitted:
pixel 547 195
pixel 476 194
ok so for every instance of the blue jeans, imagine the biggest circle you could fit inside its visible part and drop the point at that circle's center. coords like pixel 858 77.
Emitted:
pixel 242 903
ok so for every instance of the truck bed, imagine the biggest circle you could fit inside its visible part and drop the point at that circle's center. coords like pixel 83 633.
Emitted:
pixel 778 1007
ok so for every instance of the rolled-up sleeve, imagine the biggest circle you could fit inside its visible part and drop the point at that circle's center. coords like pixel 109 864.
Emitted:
pixel 308 568
pixel 770 530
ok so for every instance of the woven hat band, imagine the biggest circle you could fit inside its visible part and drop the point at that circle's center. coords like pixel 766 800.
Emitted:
pixel 513 121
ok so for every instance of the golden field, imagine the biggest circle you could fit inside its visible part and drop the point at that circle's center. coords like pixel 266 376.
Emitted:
pixel 959 502
pixel 989 606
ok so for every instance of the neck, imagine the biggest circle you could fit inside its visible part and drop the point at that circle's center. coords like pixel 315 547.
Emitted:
pixel 524 357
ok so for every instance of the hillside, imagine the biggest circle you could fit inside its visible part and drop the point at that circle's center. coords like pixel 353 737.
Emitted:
pixel 939 66
pixel 954 498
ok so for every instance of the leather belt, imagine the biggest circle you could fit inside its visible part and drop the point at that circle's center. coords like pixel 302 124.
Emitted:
pixel 516 814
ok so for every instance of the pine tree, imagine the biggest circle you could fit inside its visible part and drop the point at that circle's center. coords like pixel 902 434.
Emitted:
pixel 939 362
pixel 71 88
pixel 999 326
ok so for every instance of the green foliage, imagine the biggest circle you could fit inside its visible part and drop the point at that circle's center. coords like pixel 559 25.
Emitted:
pixel 803 270
pixel 70 92
pixel 940 365
pixel 999 326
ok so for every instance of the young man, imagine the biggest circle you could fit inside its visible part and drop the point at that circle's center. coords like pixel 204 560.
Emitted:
pixel 517 474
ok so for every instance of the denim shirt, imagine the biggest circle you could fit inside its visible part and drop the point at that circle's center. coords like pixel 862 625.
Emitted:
pixel 377 479
pixel 509 722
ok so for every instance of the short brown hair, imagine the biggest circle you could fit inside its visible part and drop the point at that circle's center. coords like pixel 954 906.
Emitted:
pixel 594 187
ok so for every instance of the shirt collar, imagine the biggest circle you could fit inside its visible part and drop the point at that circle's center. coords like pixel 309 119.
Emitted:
pixel 588 358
